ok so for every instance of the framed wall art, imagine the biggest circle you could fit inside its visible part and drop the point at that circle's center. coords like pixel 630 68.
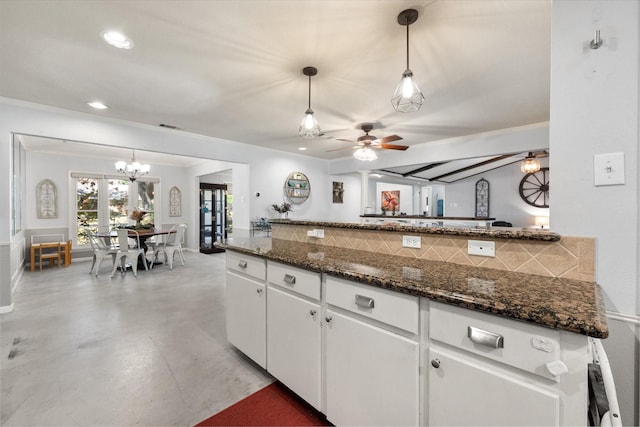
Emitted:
pixel 338 192
pixel 390 201
pixel 47 199
pixel 175 202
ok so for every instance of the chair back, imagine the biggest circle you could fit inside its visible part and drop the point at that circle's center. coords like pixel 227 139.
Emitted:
pixel 123 239
pixel 180 233
pixel 47 238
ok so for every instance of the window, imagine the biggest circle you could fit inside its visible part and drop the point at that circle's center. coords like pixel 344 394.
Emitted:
pixel 103 203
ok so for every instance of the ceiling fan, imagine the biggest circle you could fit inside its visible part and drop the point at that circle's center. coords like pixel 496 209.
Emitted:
pixel 371 141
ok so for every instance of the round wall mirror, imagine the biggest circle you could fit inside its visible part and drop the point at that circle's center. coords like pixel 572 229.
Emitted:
pixel 297 188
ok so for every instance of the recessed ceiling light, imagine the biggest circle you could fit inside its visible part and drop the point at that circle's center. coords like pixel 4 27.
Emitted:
pixel 97 105
pixel 117 39
pixel 302 148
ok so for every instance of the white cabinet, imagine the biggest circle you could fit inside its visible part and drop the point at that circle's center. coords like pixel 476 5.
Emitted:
pixel 467 392
pixel 372 374
pixel 293 330
pixel 486 370
pixel 246 306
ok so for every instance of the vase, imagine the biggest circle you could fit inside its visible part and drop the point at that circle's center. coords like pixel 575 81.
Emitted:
pixel 138 224
pixel 284 215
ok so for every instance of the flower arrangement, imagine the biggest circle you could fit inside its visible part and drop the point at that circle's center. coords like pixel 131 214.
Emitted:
pixel 283 208
pixel 138 215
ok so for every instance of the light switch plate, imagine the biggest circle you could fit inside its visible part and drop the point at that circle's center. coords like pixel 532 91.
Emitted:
pixel 481 248
pixel 608 169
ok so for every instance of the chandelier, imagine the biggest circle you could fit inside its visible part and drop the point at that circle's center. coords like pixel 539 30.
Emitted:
pixel 530 164
pixel 132 170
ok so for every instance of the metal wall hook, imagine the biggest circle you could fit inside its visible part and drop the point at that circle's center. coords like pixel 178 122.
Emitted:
pixel 597 41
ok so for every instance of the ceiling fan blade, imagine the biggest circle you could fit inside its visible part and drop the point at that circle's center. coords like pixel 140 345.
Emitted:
pixel 341 148
pixel 394 147
pixel 389 138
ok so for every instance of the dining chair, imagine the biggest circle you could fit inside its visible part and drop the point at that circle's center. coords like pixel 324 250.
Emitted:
pixel 171 244
pixel 101 250
pixel 50 251
pixel 126 253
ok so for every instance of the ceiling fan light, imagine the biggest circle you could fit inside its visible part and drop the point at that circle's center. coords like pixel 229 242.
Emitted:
pixel 530 164
pixel 365 154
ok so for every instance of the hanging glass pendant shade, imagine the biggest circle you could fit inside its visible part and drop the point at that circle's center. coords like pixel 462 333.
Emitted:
pixel 530 164
pixel 407 96
pixel 309 126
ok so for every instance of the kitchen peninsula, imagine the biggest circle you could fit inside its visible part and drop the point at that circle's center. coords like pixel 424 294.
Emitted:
pixel 409 340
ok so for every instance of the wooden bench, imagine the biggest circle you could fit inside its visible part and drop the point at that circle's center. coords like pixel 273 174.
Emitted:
pixel 50 247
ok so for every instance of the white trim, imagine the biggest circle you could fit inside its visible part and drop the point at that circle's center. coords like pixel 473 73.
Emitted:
pixel 6 309
pixel 623 317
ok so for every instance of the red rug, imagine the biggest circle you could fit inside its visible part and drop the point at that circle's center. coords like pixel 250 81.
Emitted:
pixel 274 405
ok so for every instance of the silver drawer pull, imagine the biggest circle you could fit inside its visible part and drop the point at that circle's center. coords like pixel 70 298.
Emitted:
pixel 289 279
pixel 482 337
pixel 364 302
pixel 242 264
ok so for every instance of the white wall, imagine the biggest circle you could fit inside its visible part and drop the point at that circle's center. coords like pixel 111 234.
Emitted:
pixel 595 109
pixel 505 202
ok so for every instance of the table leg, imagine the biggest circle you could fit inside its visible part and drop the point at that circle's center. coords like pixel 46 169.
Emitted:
pixel 32 260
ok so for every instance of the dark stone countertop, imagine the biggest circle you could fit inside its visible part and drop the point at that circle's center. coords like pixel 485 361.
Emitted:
pixel 491 232
pixel 556 303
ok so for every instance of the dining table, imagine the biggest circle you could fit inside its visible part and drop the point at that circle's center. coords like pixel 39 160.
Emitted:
pixel 143 234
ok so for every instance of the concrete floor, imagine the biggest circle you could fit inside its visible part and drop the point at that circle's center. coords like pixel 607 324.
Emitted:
pixel 151 350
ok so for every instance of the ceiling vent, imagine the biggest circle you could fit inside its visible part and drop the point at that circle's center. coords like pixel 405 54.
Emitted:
pixel 164 125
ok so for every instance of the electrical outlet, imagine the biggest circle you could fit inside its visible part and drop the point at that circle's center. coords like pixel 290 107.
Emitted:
pixel 319 234
pixel 411 242
pixel 481 248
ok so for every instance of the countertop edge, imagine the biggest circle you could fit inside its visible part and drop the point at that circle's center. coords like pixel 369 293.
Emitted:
pixel 494 233
pixel 597 328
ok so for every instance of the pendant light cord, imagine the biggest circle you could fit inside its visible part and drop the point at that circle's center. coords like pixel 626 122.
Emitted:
pixel 407 24
pixel 309 107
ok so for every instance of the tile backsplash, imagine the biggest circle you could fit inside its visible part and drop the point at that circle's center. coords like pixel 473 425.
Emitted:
pixel 571 257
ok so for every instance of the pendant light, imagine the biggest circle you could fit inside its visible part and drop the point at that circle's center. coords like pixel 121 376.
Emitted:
pixel 407 96
pixel 309 126
pixel 530 164
pixel 134 169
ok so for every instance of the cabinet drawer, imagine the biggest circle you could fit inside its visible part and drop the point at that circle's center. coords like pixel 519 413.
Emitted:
pixel 301 281
pixel 246 264
pixel 393 308
pixel 514 343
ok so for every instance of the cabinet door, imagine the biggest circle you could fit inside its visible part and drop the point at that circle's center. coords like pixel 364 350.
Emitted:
pixel 246 316
pixel 464 391
pixel 371 374
pixel 293 347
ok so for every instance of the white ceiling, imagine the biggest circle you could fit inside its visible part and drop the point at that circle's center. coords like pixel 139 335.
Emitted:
pixel 232 69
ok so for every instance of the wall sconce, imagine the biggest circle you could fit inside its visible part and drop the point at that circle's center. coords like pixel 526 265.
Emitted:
pixel 597 41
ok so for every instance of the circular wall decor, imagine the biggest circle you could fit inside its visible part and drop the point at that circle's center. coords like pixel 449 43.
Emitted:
pixel 534 188
pixel 297 188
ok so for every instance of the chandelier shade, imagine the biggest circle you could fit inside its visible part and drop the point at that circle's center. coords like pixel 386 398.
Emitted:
pixel 309 127
pixel 407 96
pixel 134 169
pixel 365 154
pixel 530 164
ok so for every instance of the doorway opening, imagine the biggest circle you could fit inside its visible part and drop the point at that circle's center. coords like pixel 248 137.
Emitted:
pixel 213 216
